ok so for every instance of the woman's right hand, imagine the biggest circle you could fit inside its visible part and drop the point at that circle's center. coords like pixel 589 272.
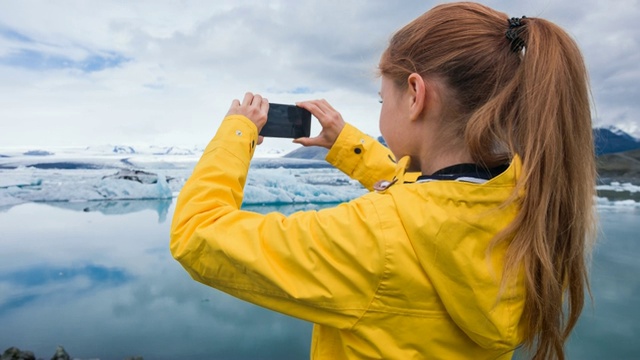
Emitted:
pixel 331 121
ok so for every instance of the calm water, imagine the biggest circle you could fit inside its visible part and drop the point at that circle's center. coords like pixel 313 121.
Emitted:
pixel 98 279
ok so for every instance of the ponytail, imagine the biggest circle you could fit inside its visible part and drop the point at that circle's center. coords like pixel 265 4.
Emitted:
pixel 550 129
pixel 519 88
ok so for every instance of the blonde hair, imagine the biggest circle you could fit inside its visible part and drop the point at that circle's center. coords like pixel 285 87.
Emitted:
pixel 533 102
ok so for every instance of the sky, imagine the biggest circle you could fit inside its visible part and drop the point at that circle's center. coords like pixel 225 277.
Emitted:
pixel 149 72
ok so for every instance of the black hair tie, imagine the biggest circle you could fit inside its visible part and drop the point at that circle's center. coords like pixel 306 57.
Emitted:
pixel 517 44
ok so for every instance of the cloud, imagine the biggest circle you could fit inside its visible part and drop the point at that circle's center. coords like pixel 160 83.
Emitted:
pixel 80 73
pixel 40 282
pixel 35 60
pixel 14 35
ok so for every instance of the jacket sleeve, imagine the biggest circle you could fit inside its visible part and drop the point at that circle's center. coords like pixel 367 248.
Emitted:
pixel 361 157
pixel 319 266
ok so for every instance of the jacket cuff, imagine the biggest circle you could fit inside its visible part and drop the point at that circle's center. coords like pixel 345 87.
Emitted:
pixel 238 135
pixel 347 151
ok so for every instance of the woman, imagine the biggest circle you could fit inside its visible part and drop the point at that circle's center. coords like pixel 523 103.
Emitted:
pixel 472 259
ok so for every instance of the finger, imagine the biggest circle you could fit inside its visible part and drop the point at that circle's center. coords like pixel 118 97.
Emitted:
pixel 247 98
pixel 313 108
pixel 260 139
pixel 304 141
pixel 326 107
pixel 264 107
pixel 257 100
pixel 233 109
pixel 307 141
pixel 309 105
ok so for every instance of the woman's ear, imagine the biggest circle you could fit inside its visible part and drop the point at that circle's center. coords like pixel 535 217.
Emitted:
pixel 416 91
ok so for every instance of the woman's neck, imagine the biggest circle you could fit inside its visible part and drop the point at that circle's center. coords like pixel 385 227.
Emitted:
pixel 433 160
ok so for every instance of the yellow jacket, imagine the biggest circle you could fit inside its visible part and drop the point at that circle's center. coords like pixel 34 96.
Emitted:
pixel 401 273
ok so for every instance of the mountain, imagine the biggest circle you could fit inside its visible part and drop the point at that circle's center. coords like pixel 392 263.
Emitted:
pixel 618 154
pixel 171 150
pixel 309 153
pixel 607 140
pixel 110 149
pixel 620 166
pixel 315 152
pixel 612 140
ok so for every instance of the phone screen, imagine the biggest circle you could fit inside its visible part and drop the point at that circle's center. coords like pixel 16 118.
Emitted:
pixel 287 121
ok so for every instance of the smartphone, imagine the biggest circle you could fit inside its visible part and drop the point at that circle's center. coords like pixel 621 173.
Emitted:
pixel 287 121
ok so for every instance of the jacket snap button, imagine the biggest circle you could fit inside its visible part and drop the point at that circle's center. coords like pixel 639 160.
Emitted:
pixel 238 132
pixel 357 150
pixel 383 184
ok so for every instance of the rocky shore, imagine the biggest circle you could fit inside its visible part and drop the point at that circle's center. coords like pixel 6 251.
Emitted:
pixel 13 353
pixel 621 167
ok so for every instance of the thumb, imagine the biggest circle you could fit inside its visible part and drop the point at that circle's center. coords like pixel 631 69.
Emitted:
pixel 304 141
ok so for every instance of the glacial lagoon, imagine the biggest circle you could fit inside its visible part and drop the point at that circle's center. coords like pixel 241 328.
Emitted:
pixel 98 278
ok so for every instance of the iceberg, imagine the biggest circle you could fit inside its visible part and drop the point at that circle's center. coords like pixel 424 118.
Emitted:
pixel 604 204
pixel 93 174
pixel 618 187
pixel 69 185
pixel 264 185
pixel 6 200
pixel 616 192
pixel 302 185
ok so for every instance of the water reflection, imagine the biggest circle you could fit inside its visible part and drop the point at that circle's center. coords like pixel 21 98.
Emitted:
pixel 106 287
pixel 103 284
pixel 41 282
pixel 610 326
pixel 118 207
pixel 161 207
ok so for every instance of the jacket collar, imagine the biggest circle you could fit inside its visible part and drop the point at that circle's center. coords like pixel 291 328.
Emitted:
pixel 458 172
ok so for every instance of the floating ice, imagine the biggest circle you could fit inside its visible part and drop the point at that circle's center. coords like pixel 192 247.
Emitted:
pixel 76 185
pixel 114 188
pixel 6 200
pixel 19 180
pixel 290 186
pixel 618 187
pixel 606 204
pixel 90 174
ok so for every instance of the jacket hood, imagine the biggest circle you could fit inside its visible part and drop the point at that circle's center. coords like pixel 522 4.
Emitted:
pixel 451 242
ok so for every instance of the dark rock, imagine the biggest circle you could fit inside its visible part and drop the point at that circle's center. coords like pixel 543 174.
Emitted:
pixel 13 353
pixel 140 176
pixel 60 354
pixel 37 153
pixel 122 149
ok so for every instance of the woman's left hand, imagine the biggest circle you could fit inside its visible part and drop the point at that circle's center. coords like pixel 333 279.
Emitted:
pixel 330 119
pixel 254 107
